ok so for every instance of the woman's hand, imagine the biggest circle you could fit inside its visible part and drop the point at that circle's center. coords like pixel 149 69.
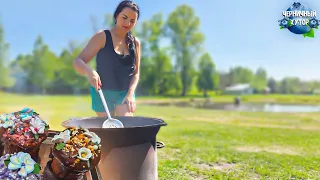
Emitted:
pixel 94 79
pixel 130 101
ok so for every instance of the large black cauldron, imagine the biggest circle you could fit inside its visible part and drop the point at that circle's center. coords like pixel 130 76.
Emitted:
pixel 128 153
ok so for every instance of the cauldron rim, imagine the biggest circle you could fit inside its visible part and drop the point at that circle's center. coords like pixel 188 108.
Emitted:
pixel 161 123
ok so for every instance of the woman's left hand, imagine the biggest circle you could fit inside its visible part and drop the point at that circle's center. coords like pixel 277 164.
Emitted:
pixel 130 101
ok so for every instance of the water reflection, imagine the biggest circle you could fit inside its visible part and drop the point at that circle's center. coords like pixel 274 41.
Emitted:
pixel 265 107
pixel 249 107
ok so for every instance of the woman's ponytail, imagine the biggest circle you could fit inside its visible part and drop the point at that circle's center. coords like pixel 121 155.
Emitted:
pixel 130 40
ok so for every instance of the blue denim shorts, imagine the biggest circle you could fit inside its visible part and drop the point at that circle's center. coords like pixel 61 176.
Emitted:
pixel 113 98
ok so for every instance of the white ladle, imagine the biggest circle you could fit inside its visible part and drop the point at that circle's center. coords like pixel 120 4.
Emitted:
pixel 110 122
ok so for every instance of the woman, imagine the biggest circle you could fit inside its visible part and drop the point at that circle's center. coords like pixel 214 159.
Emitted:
pixel 117 63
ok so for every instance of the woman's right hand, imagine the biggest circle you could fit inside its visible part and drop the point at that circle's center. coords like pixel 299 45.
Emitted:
pixel 94 79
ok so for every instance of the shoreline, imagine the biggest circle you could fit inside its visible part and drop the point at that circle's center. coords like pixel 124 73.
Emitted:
pixel 257 98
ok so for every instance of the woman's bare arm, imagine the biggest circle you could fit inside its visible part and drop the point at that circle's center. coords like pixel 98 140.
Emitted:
pixel 94 45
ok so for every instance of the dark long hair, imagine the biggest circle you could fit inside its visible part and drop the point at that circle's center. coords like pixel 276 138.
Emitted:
pixel 129 38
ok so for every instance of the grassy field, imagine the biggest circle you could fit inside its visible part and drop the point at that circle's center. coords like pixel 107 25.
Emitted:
pixel 255 98
pixel 267 98
pixel 208 144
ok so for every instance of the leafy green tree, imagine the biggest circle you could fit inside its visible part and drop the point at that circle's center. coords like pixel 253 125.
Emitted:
pixel 156 69
pixel 290 85
pixel 187 40
pixel 42 67
pixel 5 78
pixel 260 79
pixel 208 77
pixel 240 75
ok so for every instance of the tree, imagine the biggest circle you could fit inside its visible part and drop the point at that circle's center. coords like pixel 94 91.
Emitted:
pixel 5 79
pixel 260 79
pixel 290 85
pixel 240 75
pixel 272 84
pixel 108 20
pixel 70 78
pixel 224 80
pixel 183 29
pixel 164 69
pixel 39 66
pixel 156 64
pixel 208 78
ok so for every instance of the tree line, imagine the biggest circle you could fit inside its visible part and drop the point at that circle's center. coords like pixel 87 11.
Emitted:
pixel 179 68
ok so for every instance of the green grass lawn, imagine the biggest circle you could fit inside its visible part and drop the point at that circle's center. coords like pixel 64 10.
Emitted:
pixel 256 98
pixel 209 144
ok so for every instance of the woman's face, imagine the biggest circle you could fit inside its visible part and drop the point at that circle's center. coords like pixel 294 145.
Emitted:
pixel 126 20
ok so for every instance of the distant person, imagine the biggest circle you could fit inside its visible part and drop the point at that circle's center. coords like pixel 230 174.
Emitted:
pixel 237 101
pixel 117 54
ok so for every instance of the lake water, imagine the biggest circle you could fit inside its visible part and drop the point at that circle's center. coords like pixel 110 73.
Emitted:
pixel 266 107
pixel 249 107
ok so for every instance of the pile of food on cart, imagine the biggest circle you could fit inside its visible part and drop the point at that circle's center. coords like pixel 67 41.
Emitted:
pixel 74 151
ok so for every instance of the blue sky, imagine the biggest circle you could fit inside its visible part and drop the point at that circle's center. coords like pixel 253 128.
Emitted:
pixel 242 33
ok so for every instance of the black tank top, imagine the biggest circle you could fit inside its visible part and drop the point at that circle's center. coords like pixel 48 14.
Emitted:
pixel 115 70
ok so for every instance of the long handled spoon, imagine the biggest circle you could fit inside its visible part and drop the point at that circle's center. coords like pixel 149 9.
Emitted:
pixel 110 122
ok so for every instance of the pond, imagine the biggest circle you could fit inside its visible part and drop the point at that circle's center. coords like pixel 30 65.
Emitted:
pixel 248 107
pixel 265 107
